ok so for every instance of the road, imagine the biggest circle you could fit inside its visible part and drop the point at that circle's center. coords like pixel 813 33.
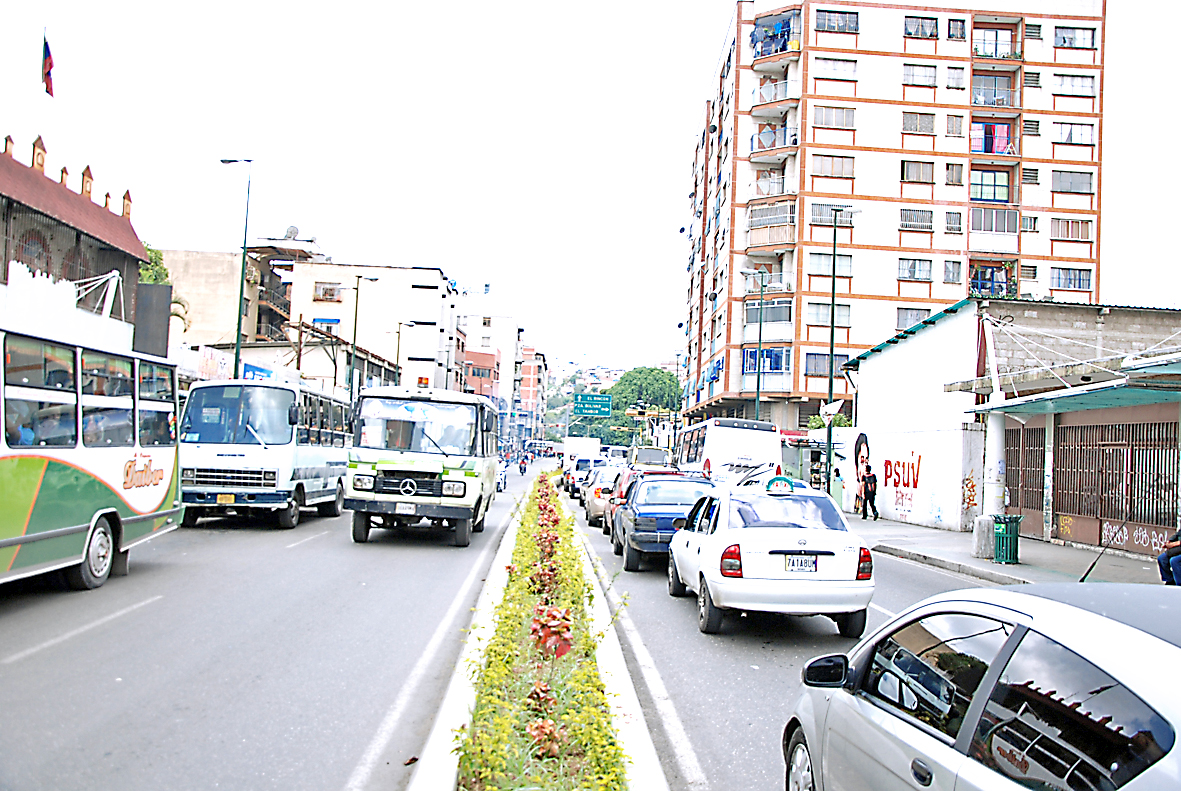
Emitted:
pixel 238 656
pixel 733 692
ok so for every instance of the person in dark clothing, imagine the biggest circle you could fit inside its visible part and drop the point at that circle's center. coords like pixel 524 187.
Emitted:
pixel 1169 561
pixel 869 493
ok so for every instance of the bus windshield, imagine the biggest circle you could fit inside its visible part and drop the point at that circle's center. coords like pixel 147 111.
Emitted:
pixel 238 415
pixel 418 426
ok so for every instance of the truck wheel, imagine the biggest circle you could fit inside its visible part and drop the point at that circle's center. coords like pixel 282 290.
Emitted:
pixel 360 527
pixel 289 516
pixel 463 532
pixel 334 508
pixel 96 561
pixel 191 516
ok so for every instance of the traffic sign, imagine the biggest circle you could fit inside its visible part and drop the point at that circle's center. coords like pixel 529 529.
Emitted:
pixel 592 404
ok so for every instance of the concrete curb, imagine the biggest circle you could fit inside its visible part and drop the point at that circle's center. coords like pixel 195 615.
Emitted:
pixel 438 765
pixel 988 575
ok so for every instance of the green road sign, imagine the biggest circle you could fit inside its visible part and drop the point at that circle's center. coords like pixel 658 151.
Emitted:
pixel 592 404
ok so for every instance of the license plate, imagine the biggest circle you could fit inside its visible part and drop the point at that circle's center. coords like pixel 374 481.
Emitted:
pixel 225 499
pixel 403 508
pixel 801 562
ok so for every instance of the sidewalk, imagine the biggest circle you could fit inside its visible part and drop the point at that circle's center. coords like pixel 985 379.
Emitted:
pixel 1039 561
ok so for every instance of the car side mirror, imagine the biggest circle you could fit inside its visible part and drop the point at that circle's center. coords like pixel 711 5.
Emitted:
pixel 678 524
pixel 827 671
pixel 293 415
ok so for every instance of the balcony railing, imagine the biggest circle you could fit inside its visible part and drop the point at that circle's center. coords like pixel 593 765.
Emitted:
pixel 271 332
pixel 771 234
pixel 776 91
pixel 995 97
pixel 774 45
pixel 995 49
pixel 783 213
pixel 770 186
pixel 271 297
pixel 775 138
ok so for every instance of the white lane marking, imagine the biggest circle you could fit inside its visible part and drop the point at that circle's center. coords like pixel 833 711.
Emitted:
pixel 303 540
pixel 68 635
pixel 965 578
pixel 359 779
pixel 883 610
pixel 690 767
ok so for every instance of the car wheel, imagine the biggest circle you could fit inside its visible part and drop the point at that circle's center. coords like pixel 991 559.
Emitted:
pixel 191 516
pixel 851 624
pixel 593 521
pixel 675 586
pixel 96 561
pixel 709 617
pixel 360 527
pixel 334 508
pixel 463 532
pixel 616 545
pixel 631 558
pixel 799 763
pixel 606 525
pixel 289 516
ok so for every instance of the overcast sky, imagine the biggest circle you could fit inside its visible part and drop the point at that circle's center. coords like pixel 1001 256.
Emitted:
pixel 542 147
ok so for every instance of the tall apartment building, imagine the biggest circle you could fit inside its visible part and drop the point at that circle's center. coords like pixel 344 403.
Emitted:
pixel 958 149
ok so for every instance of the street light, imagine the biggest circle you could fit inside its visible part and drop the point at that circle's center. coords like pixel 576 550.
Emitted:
pixel 356 312
pixel 398 351
pixel 832 337
pixel 762 274
pixel 242 274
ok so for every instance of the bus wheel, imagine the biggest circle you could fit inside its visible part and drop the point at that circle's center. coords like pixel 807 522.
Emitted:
pixel 96 563
pixel 360 527
pixel 334 508
pixel 289 516
pixel 463 532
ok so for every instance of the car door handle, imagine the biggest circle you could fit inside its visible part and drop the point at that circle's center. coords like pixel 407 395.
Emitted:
pixel 921 772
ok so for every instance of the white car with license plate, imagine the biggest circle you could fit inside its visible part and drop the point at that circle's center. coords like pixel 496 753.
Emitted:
pixel 778 548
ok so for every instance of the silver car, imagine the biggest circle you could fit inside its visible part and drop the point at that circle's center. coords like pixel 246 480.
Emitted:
pixel 1062 686
pixel 598 491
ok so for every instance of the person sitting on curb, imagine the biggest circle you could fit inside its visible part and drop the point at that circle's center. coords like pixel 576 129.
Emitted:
pixel 1169 561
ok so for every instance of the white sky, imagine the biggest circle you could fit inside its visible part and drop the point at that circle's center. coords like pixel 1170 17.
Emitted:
pixel 542 147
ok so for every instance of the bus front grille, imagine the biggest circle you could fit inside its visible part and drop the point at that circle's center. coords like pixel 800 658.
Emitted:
pixel 251 479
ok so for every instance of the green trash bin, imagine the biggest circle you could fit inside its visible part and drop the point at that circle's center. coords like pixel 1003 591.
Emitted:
pixel 1006 529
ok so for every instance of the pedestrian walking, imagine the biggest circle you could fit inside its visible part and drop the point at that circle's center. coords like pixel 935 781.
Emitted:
pixel 869 493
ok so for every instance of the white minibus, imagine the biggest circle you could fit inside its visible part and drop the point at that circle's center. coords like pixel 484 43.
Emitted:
pixel 726 449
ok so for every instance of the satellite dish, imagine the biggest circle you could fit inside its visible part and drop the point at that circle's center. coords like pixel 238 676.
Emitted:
pixel 292 232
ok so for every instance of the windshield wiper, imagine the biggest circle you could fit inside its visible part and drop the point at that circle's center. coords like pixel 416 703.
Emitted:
pixel 254 434
pixel 437 445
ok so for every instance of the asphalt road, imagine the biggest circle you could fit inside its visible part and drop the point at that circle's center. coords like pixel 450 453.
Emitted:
pixel 734 691
pixel 239 656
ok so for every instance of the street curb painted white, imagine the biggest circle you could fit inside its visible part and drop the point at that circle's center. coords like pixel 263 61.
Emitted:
pixel 438 766
pixel 950 565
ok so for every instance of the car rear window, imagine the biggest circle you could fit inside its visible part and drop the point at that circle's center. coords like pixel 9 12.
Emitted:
pixel 672 492
pixel 818 512
pixel 651 456
pixel 582 464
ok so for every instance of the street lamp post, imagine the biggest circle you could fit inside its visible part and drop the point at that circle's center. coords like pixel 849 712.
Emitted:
pixel 242 274
pixel 398 351
pixel 832 339
pixel 762 275
pixel 356 312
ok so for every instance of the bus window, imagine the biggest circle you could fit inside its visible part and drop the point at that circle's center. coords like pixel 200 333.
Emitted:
pixel 105 375
pixel 156 429
pixel 34 423
pixel 238 414
pixel 325 422
pixel 105 426
pixel 338 425
pixel 155 382
pixel 30 363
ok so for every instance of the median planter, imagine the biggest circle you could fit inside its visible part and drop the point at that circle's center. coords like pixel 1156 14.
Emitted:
pixel 541 718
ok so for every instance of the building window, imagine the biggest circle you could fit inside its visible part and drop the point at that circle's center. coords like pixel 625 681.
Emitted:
pixel 921 172
pixel 1029 176
pixel 955 126
pixel 835 69
pixel 817 364
pixel 1074 85
pixel 487 321
pixel 920 27
pixel 991 138
pixel 1029 224
pixel 955 175
pixel 908 317
pixel 821 264
pixel 989 281
pixel 914 269
pixel 951 271
pixel 993 90
pixel 818 314
pixel 1032 79
pixel 955 77
pixel 832 166
pixel 1076 134
pixel 486 340
pixel 922 123
pixel 989 185
pixel 1028 272
pixel 957 29
pixel 1070 230
pixel 822 214
pixel 1074 37
pixel 917 220
pixel 775 361
pixel 837 117
pixel 1067 181
pixel 330 326
pixel 989 43
pixel 995 220
pixel 1031 127
pixel 836 21
pixel 1033 31
pixel 914 74
pixel 773 310
pixel 955 222
pixel 327 292
pixel 1077 279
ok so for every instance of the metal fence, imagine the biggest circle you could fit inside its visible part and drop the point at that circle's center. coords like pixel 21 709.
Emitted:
pixel 1025 460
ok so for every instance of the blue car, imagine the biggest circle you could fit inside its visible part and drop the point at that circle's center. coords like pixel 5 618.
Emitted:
pixel 644 521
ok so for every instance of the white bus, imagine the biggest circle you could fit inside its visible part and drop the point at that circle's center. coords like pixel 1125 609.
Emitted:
pixel 262 446
pixel 726 449
pixel 87 456
pixel 422 454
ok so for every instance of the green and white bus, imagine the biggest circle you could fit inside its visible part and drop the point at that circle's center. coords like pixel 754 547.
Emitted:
pixel 88 457
pixel 422 454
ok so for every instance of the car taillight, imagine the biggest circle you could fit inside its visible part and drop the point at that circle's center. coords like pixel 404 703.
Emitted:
pixel 864 565
pixel 732 561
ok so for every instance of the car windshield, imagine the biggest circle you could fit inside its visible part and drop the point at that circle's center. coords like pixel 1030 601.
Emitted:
pixel 672 492
pixel 238 415
pixel 791 511
pixel 418 426
pixel 651 456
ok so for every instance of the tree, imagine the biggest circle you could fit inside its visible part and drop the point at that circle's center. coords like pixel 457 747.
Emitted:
pixel 153 270
pixel 838 421
pixel 655 387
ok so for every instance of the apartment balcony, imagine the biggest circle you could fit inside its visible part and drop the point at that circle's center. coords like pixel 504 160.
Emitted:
pixel 770 383
pixel 773 146
pixel 992 242
pixel 772 330
pixel 275 300
pixel 775 286
pixel 270 332
pixel 771 240
pixel 770 186
pixel 774 99
pixel 996 101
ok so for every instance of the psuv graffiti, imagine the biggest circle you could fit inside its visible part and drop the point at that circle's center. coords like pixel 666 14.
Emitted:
pixel 904 477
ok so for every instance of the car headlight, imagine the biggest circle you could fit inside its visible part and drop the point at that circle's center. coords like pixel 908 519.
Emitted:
pixel 454 488
pixel 363 483
pixel 269 476
pixel 188 475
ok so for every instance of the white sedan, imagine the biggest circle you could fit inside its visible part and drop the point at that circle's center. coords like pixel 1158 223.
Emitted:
pixel 789 552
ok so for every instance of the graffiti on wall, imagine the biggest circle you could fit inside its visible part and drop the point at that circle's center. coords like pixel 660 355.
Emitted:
pixel 968 498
